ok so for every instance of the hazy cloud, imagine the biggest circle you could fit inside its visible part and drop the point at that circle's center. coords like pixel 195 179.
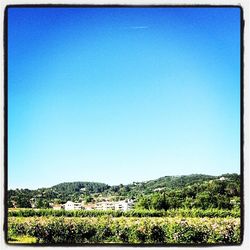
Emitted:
pixel 138 27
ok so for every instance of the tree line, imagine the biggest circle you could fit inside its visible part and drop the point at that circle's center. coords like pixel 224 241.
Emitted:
pixel 192 191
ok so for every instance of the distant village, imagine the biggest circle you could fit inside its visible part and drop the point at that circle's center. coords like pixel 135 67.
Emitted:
pixel 123 205
pixel 92 196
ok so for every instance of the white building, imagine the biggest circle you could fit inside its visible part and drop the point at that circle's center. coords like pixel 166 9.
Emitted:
pixel 222 178
pixel 70 205
pixel 89 207
pixel 158 189
pixel 124 205
pixel 105 205
pixel 57 207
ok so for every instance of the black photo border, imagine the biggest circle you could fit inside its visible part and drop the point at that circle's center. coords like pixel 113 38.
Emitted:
pixel 5 42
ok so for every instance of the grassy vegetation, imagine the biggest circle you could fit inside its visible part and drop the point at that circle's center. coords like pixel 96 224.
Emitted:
pixel 23 239
pixel 195 212
pixel 134 230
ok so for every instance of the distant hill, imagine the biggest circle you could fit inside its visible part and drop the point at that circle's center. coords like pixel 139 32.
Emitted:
pixel 72 187
pixel 184 186
pixel 173 182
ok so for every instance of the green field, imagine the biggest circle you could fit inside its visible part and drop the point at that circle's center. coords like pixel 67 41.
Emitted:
pixel 105 229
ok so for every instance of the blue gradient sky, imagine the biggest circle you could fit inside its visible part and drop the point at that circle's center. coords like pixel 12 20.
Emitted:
pixel 121 95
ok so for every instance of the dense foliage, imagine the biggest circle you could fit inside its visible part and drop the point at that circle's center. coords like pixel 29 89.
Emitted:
pixel 169 192
pixel 72 187
pixel 211 213
pixel 127 230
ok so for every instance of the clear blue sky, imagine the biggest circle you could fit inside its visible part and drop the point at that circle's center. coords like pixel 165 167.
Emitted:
pixel 118 95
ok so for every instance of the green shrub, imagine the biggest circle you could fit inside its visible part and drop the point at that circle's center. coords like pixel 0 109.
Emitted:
pixel 181 212
pixel 132 230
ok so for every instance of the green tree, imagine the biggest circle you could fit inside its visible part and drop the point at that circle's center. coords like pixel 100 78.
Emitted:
pixel 143 203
